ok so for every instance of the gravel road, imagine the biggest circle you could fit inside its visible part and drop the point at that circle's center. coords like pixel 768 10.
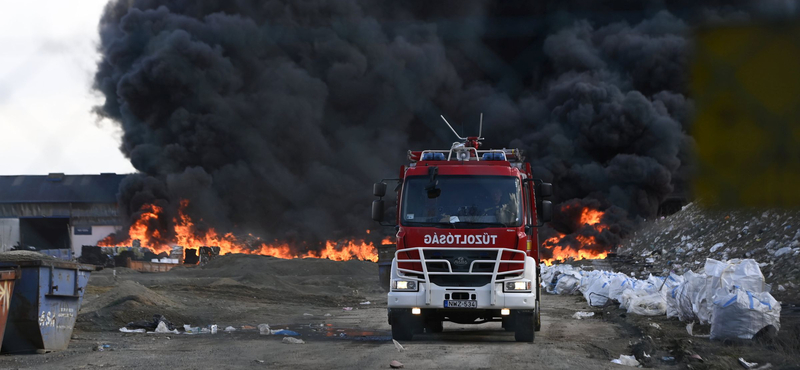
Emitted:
pixel 563 343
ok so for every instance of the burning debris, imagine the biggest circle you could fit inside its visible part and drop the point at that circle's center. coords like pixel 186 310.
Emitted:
pixel 147 231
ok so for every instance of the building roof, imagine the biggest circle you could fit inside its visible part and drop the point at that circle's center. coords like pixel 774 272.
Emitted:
pixel 60 188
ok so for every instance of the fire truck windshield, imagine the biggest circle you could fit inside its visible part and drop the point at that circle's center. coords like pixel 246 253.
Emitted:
pixel 471 201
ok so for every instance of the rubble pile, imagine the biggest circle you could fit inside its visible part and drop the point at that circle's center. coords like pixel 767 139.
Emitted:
pixel 731 296
pixel 681 242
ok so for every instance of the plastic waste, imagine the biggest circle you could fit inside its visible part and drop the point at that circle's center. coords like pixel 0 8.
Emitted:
pixel 162 328
pixel 652 304
pixel 290 340
pixel 580 315
pixel 214 329
pixel 740 314
pixel 263 329
pixel 230 329
pixel 595 288
pixel 126 330
pixel 285 332
pixel 626 360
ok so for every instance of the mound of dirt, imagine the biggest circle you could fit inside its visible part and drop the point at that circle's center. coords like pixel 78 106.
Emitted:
pixel 110 309
pixel 234 264
pixel 11 256
pixel 303 275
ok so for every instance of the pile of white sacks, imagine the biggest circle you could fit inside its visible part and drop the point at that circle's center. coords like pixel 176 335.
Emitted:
pixel 729 295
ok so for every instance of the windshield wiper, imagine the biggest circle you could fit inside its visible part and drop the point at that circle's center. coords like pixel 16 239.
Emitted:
pixel 480 225
pixel 430 224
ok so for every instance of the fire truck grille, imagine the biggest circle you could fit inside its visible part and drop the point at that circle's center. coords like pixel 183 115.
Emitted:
pixel 461 280
pixel 460 260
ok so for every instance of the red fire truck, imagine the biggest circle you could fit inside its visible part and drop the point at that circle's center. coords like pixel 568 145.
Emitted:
pixel 467 244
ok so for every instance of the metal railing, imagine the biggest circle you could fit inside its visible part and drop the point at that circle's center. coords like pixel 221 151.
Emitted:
pixel 496 276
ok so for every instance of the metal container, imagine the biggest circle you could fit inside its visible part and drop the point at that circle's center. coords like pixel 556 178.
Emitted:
pixel 7 279
pixel 44 305
pixel 145 266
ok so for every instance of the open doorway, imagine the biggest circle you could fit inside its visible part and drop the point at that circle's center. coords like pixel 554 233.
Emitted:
pixel 44 233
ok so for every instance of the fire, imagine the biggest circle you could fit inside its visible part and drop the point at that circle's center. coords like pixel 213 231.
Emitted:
pixel 589 218
pixel 186 237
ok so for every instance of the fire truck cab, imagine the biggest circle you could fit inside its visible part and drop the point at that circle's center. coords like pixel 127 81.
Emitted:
pixel 467 243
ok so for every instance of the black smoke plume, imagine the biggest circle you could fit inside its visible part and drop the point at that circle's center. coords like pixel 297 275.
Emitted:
pixel 274 117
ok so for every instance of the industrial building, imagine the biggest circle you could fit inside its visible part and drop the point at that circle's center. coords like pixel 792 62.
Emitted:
pixel 58 211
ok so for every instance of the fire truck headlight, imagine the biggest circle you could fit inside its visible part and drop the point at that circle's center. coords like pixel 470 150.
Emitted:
pixel 403 285
pixel 518 286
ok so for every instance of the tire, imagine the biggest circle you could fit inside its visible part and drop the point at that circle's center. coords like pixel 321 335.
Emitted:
pixel 436 326
pixel 508 323
pixel 524 328
pixel 537 311
pixel 402 327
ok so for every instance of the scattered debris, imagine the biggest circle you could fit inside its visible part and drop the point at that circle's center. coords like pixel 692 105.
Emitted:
pixel 126 330
pixel 263 329
pixel 747 365
pixel 655 325
pixel 626 360
pixel 396 364
pixel 214 329
pixel 158 320
pixel 581 314
pixel 290 340
pixel 367 302
pixel 307 314
pixel 328 315
pixel 285 332
pixel 102 347
pixel 697 357
pixel 399 346
pixel 230 329
pixel 162 328
pixel 347 308
pixel 259 361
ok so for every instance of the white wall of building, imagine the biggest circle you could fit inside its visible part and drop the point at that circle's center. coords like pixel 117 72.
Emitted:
pixel 9 233
pixel 98 233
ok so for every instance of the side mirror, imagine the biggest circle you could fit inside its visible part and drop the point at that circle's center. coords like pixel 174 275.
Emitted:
pixel 377 209
pixel 545 190
pixel 379 189
pixel 546 211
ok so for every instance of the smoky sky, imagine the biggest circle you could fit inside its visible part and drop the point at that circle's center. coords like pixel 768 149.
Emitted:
pixel 274 117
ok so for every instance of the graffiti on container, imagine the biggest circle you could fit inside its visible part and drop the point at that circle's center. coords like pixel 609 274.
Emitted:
pixel 47 319
pixel 63 318
pixel 5 296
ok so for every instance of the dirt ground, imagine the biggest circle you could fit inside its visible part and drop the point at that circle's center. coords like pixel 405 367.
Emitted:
pixel 244 291
pixel 311 296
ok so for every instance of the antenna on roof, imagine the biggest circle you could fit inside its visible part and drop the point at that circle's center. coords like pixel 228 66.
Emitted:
pixel 451 128
pixel 480 128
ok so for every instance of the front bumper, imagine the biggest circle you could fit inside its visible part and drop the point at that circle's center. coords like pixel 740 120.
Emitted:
pixel 489 297
pixel 514 301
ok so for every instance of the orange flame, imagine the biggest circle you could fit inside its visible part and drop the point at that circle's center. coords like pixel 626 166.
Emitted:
pixel 589 217
pixel 186 237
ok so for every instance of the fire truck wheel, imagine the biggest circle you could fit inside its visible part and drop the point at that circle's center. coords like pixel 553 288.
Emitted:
pixel 434 326
pixel 524 328
pixel 402 327
pixel 508 323
pixel 538 317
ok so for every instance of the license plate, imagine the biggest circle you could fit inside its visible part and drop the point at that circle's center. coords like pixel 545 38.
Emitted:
pixel 461 304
